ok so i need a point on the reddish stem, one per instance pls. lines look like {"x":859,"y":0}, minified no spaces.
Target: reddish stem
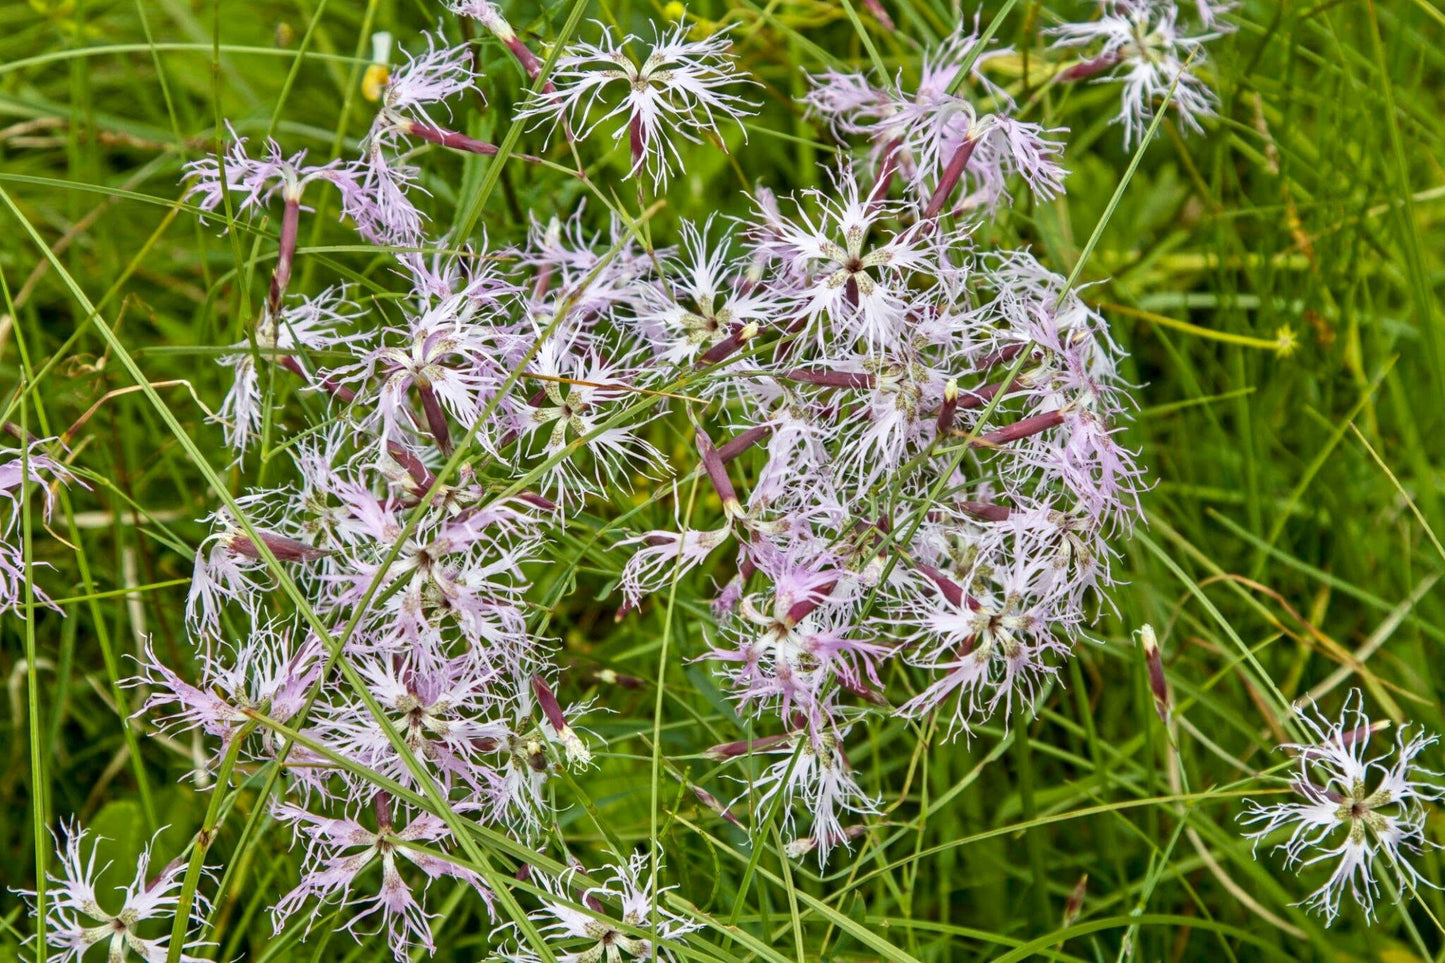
{"x":548,"y":701}
{"x":801,"y":610}
{"x":717,"y":471}
{"x":833,"y":379}
{"x":886,"y":170}
{"x":281,"y":277}
{"x":637,"y":139}
{"x":451,"y":138}
{"x":950,"y":589}
{"x":740,"y":335}
{"x":1085,"y":69}
{"x":436,"y":418}
{"x":951,"y":176}
{"x":986,"y":511}
{"x":285,"y":549}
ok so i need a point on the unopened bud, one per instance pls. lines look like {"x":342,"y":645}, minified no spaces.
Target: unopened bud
{"x":717,"y":473}
{"x":731,"y":750}
{"x":285,"y":549}
{"x":949,"y":408}
{"x":1075,"y":904}
{"x":801,"y":847}
{"x":712,"y":802}
{"x":1158,"y":685}
{"x":577,"y":752}
{"x":612,"y":677}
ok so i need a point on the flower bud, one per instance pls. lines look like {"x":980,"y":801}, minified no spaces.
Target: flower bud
{"x":1158,"y":685}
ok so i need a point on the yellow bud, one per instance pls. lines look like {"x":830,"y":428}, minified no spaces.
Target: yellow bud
{"x":674,"y":11}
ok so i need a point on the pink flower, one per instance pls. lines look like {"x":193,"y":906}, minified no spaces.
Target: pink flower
{"x":462,"y":572}
{"x":925,"y":131}
{"x":265,"y":673}
{"x":339,"y":850}
{"x":257,"y":180}
{"x":377,"y":199}
{"x":439,"y":711}
{"x":442,"y":360}
{"x":20,"y":471}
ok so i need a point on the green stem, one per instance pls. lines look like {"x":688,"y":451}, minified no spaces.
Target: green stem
{"x":202,"y":844}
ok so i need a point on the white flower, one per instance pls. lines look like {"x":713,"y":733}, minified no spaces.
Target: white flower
{"x":1365,"y":813}
{"x":823,"y":781}
{"x":852,"y":292}
{"x":707,"y":299}
{"x":308,"y":324}
{"x":591,"y":939}
{"x":676,"y":91}
{"x":76,"y":921}
{"x":1143,"y":48}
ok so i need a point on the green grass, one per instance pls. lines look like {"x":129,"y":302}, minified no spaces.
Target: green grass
{"x":1295,"y":519}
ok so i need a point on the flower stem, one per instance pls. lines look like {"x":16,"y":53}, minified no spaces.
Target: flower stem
{"x":202,"y":844}
{"x":951,"y":176}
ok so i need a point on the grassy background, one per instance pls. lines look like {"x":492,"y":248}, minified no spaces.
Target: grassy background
{"x":1289,"y":528}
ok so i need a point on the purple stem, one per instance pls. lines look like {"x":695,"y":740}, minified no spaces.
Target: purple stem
{"x":833,"y":379}
{"x":951,"y":175}
{"x":281,"y":277}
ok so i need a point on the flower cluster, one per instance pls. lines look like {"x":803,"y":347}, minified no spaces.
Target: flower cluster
{"x":911,"y":434}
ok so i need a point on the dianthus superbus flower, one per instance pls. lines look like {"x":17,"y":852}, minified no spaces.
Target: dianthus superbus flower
{"x":1139,"y":43}
{"x":256,"y":180}
{"x":850,"y":273}
{"x":937,"y":127}
{"x":77,"y":920}
{"x":340,"y":850}
{"x":1364,"y":813}
{"x":680,"y":89}
{"x":307,"y":324}
{"x":623,"y":892}
{"x":823,"y":781}
{"x":35,"y":469}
